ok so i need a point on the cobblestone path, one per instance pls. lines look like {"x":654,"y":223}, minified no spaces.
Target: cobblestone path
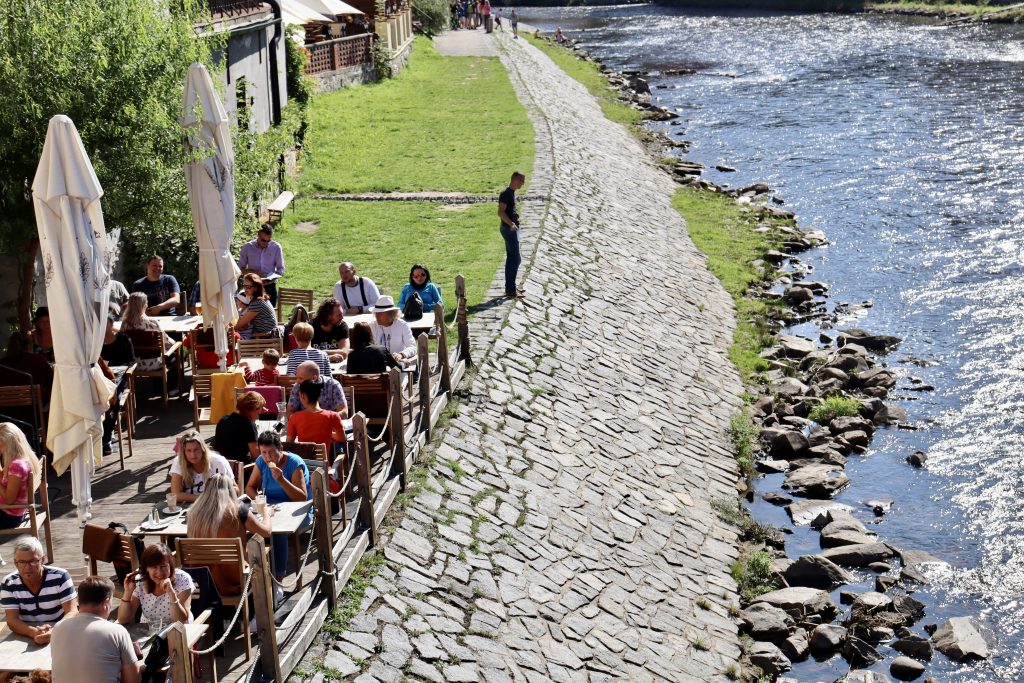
{"x":565,"y":531}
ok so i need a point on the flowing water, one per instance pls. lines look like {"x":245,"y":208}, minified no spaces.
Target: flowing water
{"x":904,"y":141}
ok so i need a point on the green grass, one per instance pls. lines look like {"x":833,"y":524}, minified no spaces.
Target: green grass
{"x":592,"y":79}
{"x":833,"y":407}
{"x":384,"y":239}
{"x":753,"y":575}
{"x":743,"y":436}
{"x":444,"y":123}
{"x":727,"y":235}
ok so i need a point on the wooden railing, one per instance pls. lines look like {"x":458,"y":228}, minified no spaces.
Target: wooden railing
{"x":232,"y":7}
{"x":332,"y":55}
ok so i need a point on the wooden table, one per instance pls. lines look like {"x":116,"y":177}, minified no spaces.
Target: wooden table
{"x":287,"y":519}
{"x":424,"y":324}
{"x":257,"y":363}
{"x":179,"y":324}
{"x":18,"y":653}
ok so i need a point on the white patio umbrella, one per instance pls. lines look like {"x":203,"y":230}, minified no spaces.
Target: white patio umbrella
{"x":73,"y":243}
{"x":332,"y":7}
{"x":295,"y":12}
{"x":209,"y":175}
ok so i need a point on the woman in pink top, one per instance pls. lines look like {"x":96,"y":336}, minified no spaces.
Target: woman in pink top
{"x":18,"y":462}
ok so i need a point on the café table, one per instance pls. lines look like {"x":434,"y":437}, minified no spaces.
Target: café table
{"x":287,"y":519}
{"x":18,"y":653}
{"x":178,"y":324}
{"x":424,"y":324}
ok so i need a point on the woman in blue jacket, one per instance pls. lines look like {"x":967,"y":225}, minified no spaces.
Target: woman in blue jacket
{"x":419,"y":282}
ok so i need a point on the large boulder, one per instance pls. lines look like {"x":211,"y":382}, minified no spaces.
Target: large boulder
{"x":860,"y":555}
{"x":914,"y":646}
{"x":790,"y":386}
{"x":815,"y":571}
{"x":877,"y":377}
{"x":795,"y":647}
{"x":906,"y":669}
{"x":806,"y":511}
{"x":870,"y":603}
{"x":881,"y":343}
{"x":766,"y":622}
{"x":800,"y":602}
{"x":862,"y":676}
{"x":859,"y":653}
{"x":787,"y":444}
{"x":795,"y":347}
{"x":850,"y":424}
{"x":827,"y":638}
{"x":769,"y":658}
{"x":960,"y":639}
{"x":816,"y":481}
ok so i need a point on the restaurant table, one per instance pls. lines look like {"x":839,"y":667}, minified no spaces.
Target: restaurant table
{"x":18,"y":653}
{"x":179,"y":324}
{"x":424,"y":324}
{"x":287,"y":519}
{"x":282,"y":365}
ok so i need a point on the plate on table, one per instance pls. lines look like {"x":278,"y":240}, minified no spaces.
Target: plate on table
{"x":172,"y":511}
{"x":155,"y":526}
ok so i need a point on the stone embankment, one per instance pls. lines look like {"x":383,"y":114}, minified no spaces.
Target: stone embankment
{"x":565,"y":531}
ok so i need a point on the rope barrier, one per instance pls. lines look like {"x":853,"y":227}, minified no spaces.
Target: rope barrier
{"x":234,"y":619}
{"x":384,"y":429}
{"x":348,"y":480}
{"x":305,"y":558}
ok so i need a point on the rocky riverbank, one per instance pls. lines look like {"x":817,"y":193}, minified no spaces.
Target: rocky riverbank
{"x":821,"y":399}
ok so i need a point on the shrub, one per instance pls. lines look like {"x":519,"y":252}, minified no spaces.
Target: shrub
{"x":833,"y":407}
{"x":743,"y":435}
{"x":433,"y":15}
{"x":753,"y":575}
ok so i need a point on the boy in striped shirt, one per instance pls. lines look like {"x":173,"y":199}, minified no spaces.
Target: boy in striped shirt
{"x":36,"y":596}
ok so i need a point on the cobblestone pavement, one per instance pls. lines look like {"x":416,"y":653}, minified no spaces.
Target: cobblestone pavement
{"x":565,"y":531}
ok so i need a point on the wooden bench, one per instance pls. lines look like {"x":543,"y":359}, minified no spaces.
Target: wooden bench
{"x":277,"y":207}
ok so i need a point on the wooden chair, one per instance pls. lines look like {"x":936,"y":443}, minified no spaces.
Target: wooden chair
{"x":374,"y":400}
{"x":286,"y":382}
{"x":204,"y":552}
{"x":268,"y":393}
{"x":125,"y":421}
{"x":242,"y":470}
{"x":149,"y":344}
{"x":287,"y":298}
{"x":202,"y":388}
{"x":37,"y":518}
{"x":27,"y":396}
{"x":124,"y":552}
{"x":254,"y":348}
{"x":202,"y":340}
{"x":350,"y":399}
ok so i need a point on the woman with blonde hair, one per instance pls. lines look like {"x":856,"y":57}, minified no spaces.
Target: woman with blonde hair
{"x":135,"y":318}
{"x":218,"y":514}
{"x":194,"y":465}
{"x":17,"y":462}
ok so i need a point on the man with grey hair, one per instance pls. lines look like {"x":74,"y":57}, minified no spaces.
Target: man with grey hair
{"x":331,"y":398}
{"x":90,"y":649}
{"x":36,"y":596}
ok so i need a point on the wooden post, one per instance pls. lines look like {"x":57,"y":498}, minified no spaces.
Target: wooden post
{"x":442,"y":349}
{"x":361,"y":453}
{"x":462,"y":320}
{"x":423,"y":354}
{"x":397,"y":427}
{"x":263,"y":606}
{"x":324,"y":535}
{"x":178,"y":654}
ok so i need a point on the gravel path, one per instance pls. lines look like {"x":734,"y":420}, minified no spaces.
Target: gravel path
{"x":565,"y":532}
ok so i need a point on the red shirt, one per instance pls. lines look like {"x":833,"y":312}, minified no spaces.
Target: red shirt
{"x":264,"y":377}
{"x":323,"y":427}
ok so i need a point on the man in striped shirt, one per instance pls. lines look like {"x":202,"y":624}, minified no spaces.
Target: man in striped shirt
{"x":36,"y":596}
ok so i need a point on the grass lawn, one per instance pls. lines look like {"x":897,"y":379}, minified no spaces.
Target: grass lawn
{"x":592,"y":79}
{"x":445,"y":124}
{"x":384,"y":239}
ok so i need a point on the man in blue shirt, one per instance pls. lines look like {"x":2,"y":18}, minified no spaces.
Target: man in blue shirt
{"x":264,"y":257}
{"x":162,"y":291}
{"x":510,"y":232}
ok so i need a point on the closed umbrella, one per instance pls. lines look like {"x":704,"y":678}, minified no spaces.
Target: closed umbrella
{"x":209,"y":175}
{"x":73,"y":244}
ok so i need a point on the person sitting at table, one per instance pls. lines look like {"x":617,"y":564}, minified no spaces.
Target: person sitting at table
{"x":163,"y":295}
{"x":87,"y":648}
{"x":118,"y":298}
{"x":162,"y":591}
{"x":391,"y":332}
{"x":257,"y":319}
{"x":419,"y":282}
{"x":42,"y":335}
{"x":303,"y":333}
{"x":17,"y":462}
{"x":358,"y":293}
{"x":267,"y":375}
{"x":313,"y":424}
{"x":332,"y":396}
{"x":367,"y":358}
{"x":285,"y":478}
{"x":235,"y":436}
{"x":117,"y":351}
{"x":218,"y":514}
{"x":36,"y":596}
{"x":136,"y":318}
{"x":330,"y":331}
{"x":193,"y":466}
{"x":23,"y":360}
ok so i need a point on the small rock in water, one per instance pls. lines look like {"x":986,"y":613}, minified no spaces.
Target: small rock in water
{"x":960,"y":639}
{"x":906,"y":669}
{"x":917,"y":458}
{"x":724,"y":169}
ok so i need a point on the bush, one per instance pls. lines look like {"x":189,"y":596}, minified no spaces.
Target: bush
{"x":753,"y":575}
{"x":833,"y":407}
{"x":433,"y":15}
{"x":743,"y":435}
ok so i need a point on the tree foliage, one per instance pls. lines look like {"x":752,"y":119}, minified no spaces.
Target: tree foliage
{"x":117,"y":68}
{"x":434,"y":15}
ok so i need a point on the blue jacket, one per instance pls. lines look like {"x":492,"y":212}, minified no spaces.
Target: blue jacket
{"x":430,"y":294}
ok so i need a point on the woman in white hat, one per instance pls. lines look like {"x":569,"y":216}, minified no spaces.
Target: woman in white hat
{"x":391,"y":332}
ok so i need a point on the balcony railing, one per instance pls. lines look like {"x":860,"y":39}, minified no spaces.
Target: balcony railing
{"x":234,"y":7}
{"x":339,"y":53}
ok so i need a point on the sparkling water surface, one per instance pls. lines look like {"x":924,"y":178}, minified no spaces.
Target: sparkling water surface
{"x":904,"y":141}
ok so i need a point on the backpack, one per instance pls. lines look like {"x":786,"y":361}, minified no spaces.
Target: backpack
{"x":413,"y":307}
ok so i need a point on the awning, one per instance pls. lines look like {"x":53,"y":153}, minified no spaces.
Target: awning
{"x":295,"y":12}
{"x":332,"y":7}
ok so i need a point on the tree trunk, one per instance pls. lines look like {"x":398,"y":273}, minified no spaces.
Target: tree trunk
{"x":26,"y":284}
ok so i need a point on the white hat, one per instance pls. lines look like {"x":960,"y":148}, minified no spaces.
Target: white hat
{"x":385,"y":303}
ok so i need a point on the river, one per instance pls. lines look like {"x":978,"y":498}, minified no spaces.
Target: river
{"x":904,"y":141}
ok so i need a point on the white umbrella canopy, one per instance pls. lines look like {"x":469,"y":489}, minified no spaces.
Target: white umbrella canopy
{"x":73,"y":244}
{"x":332,"y":7}
{"x":209,"y":175}
{"x":295,"y":12}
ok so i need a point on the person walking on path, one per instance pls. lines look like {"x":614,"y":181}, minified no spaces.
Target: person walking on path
{"x":514,"y":20}
{"x":497,"y":19}
{"x":510,"y":232}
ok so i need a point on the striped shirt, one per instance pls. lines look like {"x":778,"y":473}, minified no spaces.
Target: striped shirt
{"x":44,"y":608}
{"x":296,"y":356}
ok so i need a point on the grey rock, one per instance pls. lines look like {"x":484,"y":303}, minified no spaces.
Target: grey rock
{"x":796,"y":646}
{"x":770,"y":658}
{"x":859,"y":653}
{"x":827,"y":638}
{"x":797,"y":295}
{"x":871,"y":602}
{"x":816,"y":481}
{"x":906,"y":669}
{"x":891,"y":415}
{"x":785,"y":443}
{"x":764,"y":621}
{"x":911,"y":609}
{"x":815,"y":571}
{"x":850,"y":423}
{"x":859,"y":555}
{"x":862,"y":676}
{"x":917,"y":458}
{"x":413,"y":545}
{"x":771,"y":466}
{"x":960,"y":639}
{"x":805,"y":511}
{"x":799,"y":602}
{"x":340,"y":662}
{"x":790,"y":386}
{"x":915,"y":646}
{"x":795,"y":347}
{"x":881,"y":343}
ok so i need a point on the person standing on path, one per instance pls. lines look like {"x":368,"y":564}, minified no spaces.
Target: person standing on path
{"x":510,"y":232}
{"x":514,"y":20}
{"x":264,"y":257}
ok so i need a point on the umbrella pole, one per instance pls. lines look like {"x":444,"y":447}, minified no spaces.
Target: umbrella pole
{"x":82,"y":469}
{"x":222,"y":332}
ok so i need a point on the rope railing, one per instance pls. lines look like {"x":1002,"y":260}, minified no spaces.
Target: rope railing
{"x":305,"y":558}
{"x":384,"y":429}
{"x":344,"y":484}
{"x":234,"y":619}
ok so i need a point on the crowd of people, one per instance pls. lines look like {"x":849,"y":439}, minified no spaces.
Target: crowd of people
{"x":474,"y":14}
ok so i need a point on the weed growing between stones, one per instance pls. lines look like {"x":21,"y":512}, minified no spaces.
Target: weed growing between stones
{"x":704,"y":603}
{"x":753,"y":574}
{"x":700,"y":644}
{"x":833,"y":407}
{"x":730,"y":510}
{"x":743,"y":436}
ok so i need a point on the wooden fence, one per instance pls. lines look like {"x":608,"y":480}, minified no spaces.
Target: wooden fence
{"x":331,"y":55}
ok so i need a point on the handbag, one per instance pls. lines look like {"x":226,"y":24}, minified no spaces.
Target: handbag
{"x":413,"y":307}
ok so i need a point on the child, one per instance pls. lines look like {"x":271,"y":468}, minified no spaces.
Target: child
{"x":267,"y":377}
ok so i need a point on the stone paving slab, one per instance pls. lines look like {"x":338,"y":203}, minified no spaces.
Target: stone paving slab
{"x":565,"y":532}
{"x":466,"y":43}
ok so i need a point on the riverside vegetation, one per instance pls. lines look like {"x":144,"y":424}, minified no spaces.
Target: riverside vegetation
{"x":810,"y":408}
